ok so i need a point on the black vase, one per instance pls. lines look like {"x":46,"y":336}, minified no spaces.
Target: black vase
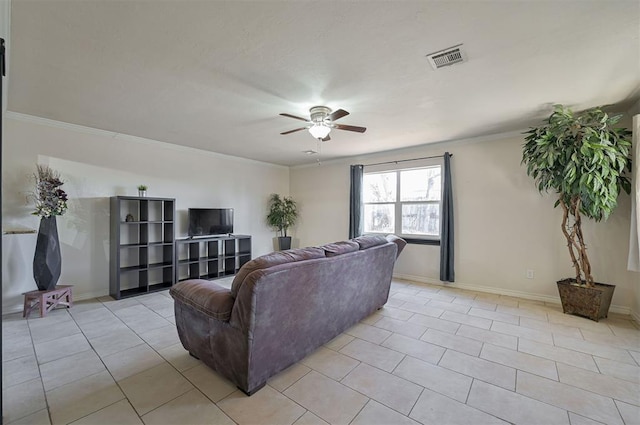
{"x":47,"y":261}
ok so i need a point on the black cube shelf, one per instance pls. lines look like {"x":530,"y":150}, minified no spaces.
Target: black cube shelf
{"x":142,"y":243}
{"x":211,"y":257}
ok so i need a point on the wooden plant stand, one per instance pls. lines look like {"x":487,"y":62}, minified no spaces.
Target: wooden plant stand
{"x":47,"y":300}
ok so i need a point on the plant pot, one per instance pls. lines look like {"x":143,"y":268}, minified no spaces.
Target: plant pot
{"x":142,"y":193}
{"x":47,"y":262}
{"x":284,"y":242}
{"x":592,"y":303}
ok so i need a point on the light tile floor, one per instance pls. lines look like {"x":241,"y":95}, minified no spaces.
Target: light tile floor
{"x":432,"y":355}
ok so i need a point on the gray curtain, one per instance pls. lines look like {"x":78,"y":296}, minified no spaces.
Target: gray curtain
{"x":447,"y":274}
{"x":355,"y":202}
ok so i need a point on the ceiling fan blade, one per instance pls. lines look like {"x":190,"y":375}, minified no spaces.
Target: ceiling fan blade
{"x":336,"y":115}
{"x":295,"y":117}
{"x":326,"y":139}
{"x":293,"y":131}
{"x":350,"y":128}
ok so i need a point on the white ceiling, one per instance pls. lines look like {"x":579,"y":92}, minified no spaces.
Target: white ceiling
{"x":215,"y":75}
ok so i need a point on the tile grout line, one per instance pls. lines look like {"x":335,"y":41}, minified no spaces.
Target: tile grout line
{"x":105,"y":366}
{"x":165,"y":360}
{"x":527,"y":397}
{"x":578,"y":388}
{"x":408,"y":415}
{"x":466,"y":399}
{"x":305,"y":374}
{"x":44,"y":393}
{"x":368,"y":397}
{"x":107,"y":369}
{"x":326,"y":376}
{"x":115,"y":402}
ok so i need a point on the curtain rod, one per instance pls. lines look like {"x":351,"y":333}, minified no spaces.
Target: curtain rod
{"x":406,"y":160}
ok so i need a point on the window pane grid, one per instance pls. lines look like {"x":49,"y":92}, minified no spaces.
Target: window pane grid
{"x":380,"y":187}
{"x":420,"y":203}
{"x":422,"y":184}
{"x":379,"y":203}
{"x":379,"y":218}
{"x":403,"y":202}
{"x":420,"y":219}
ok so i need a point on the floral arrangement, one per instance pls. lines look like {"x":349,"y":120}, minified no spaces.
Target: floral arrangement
{"x":49,"y":198}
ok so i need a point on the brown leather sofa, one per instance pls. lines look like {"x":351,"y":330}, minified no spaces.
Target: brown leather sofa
{"x":282,"y":306}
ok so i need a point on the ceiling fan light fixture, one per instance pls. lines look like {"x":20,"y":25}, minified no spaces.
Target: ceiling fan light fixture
{"x":321,"y":121}
{"x":319,"y":130}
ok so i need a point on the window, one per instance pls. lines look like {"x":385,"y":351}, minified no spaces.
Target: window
{"x":405,"y":202}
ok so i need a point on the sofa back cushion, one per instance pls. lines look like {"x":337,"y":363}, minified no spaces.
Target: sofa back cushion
{"x":366,"y":242}
{"x":339,"y":248}
{"x":274,"y":259}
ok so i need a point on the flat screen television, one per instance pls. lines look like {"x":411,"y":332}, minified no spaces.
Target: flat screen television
{"x":210,"y":221}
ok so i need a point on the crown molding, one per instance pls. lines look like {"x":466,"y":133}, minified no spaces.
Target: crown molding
{"x":411,"y":150}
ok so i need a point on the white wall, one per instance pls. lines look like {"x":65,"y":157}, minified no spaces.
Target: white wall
{"x":503,"y":226}
{"x":634,"y":237}
{"x":97,"y":165}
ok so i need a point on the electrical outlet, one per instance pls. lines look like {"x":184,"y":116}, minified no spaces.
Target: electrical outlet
{"x":530,"y":274}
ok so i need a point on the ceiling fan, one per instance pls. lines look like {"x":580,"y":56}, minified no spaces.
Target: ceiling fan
{"x":321,"y":122}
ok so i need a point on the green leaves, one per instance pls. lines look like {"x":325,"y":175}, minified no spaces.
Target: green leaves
{"x":580,"y":156}
{"x":283,"y":213}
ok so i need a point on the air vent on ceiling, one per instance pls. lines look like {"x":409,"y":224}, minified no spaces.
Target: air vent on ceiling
{"x":446,"y":57}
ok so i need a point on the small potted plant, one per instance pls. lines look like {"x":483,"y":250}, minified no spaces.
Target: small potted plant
{"x":142,"y":190}
{"x":283,"y":213}
{"x":583,"y":158}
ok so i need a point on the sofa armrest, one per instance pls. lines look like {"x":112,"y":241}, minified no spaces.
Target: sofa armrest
{"x":400,"y":243}
{"x":206,"y":297}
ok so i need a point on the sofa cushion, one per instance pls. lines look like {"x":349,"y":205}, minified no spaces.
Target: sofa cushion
{"x":338,"y":248}
{"x":274,"y":259}
{"x":205,"y":296}
{"x":400,"y":243}
{"x":370,"y":241}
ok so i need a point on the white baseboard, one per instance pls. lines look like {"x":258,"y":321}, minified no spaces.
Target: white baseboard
{"x":501,"y":291}
{"x":635,"y":316}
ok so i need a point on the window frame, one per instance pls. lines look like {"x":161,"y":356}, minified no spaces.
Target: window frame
{"x":398,"y":203}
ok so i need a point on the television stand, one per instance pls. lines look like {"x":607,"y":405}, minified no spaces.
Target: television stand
{"x":211,"y":257}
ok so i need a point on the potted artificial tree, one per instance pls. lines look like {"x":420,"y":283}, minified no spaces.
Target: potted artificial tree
{"x":583,"y":158}
{"x":283,"y":213}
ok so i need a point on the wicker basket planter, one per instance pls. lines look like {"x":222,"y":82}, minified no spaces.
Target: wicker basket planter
{"x":592,"y":303}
